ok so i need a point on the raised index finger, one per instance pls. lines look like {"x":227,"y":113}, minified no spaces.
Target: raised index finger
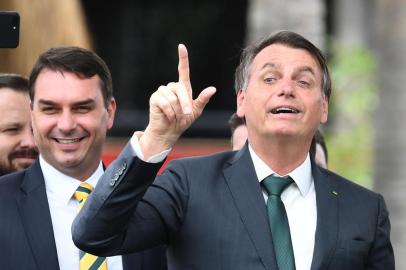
{"x":183,"y":67}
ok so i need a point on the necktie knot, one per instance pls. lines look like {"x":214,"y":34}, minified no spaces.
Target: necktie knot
{"x":83,"y":191}
{"x":275,"y":185}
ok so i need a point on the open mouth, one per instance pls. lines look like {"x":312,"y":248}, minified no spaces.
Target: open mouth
{"x":284,"y":109}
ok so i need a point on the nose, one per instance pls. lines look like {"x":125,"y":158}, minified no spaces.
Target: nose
{"x":66,"y":122}
{"x":287,"y":88}
{"x":27,"y":140}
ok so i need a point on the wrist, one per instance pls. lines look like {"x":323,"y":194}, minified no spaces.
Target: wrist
{"x":152,"y":143}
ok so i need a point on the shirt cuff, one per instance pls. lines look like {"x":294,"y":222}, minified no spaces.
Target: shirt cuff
{"x":135,"y":145}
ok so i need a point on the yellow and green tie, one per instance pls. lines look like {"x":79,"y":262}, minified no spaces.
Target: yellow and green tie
{"x":87,"y":260}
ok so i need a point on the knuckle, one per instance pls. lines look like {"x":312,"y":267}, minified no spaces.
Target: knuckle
{"x":164,"y":103}
{"x":171,"y":85}
{"x":172,"y":99}
{"x":160,"y":90}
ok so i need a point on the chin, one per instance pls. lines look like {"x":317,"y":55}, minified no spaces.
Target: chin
{"x":68,"y":162}
{"x":285,"y":132}
{"x":22,"y":166}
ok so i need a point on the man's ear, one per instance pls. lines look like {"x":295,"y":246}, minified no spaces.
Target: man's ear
{"x":240,"y":103}
{"x":111,"y":111}
{"x":324,"y":112}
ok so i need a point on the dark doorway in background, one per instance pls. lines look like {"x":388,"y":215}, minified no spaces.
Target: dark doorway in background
{"x":138,"y":40}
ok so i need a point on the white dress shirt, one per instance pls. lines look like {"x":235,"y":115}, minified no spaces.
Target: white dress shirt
{"x":300,"y":203}
{"x":63,"y":207}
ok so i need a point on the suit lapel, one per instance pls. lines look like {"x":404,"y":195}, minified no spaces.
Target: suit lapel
{"x":36,"y":219}
{"x":327,"y":219}
{"x":247,"y":194}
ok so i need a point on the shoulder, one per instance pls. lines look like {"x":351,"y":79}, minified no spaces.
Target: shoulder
{"x":10,"y":183}
{"x":350,"y":190}
{"x":199,"y":167}
{"x":213,"y":161}
{"x":12,"y":179}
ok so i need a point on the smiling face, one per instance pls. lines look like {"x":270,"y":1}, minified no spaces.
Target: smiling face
{"x":70,"y":121}
{"x":283,"y":98}
{"x":17,"y":145}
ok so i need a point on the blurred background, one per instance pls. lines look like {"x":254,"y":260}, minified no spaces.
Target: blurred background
{"x":362,"y":39}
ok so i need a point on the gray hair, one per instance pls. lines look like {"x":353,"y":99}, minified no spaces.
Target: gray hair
{"x":290,"y":39}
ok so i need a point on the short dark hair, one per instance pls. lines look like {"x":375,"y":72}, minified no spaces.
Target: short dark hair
{"x":318,"y":138}
{"x":84,"y":63}
{"x":15,"y":82}
{"x":234,"y":122}
{"x":287,"y":38}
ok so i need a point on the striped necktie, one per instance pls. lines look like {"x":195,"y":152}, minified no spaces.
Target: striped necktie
{"x":87,"y":260}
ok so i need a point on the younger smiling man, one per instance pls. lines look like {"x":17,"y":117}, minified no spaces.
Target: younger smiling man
{"x":72,"y":107}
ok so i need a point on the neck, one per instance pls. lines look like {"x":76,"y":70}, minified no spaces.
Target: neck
{"x":281,"y":155}
{"x":78,"y":172}
{"x":84,"y":174}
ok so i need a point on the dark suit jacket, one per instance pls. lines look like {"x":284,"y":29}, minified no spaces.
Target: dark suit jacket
{"x":26,"y":234}
{"x":212,"y":214}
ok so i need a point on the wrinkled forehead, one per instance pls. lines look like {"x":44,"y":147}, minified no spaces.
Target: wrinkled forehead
{"x":279,"y":56}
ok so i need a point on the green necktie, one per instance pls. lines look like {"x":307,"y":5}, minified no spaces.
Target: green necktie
{"x":279,"y":221}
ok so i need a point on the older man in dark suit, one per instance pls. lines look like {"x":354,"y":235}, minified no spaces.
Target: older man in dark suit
{"x":267,"y":206}
{"x":72,"y":107}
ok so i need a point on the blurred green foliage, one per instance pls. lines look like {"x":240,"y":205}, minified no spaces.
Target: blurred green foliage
{"x":349,"y":133}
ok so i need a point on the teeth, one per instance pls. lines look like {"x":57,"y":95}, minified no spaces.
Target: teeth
{"x":67,"y":141}
{"x":284,"y":110}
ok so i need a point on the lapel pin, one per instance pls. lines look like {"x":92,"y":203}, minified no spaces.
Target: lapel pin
{"x":335,"y":192}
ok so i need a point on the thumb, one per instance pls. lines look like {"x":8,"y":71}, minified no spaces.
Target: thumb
{"x":204,"y":97}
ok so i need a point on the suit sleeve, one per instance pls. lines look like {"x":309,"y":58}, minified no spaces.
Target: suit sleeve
{"x":381,"y":253}
{"x":134,"y":212}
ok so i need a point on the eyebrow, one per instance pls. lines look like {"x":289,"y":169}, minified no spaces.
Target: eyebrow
{"x":298,"y":70}
{"x":270,"y":65}
{"x":45,"y":102}
{"x":306,"y":69}
{"x":79,"y":103}
{"x":84,"y":102}
{"x":14,"y":123}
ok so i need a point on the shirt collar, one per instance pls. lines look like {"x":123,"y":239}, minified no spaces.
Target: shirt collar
{"x":61,"y":186}
{"x":302,"y":175}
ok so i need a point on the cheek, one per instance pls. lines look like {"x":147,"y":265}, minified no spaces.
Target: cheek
{"x":6,"y":145}
{"x":95,"y":127}
{"x":99,"y":121}
{"x":41,"y":126}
